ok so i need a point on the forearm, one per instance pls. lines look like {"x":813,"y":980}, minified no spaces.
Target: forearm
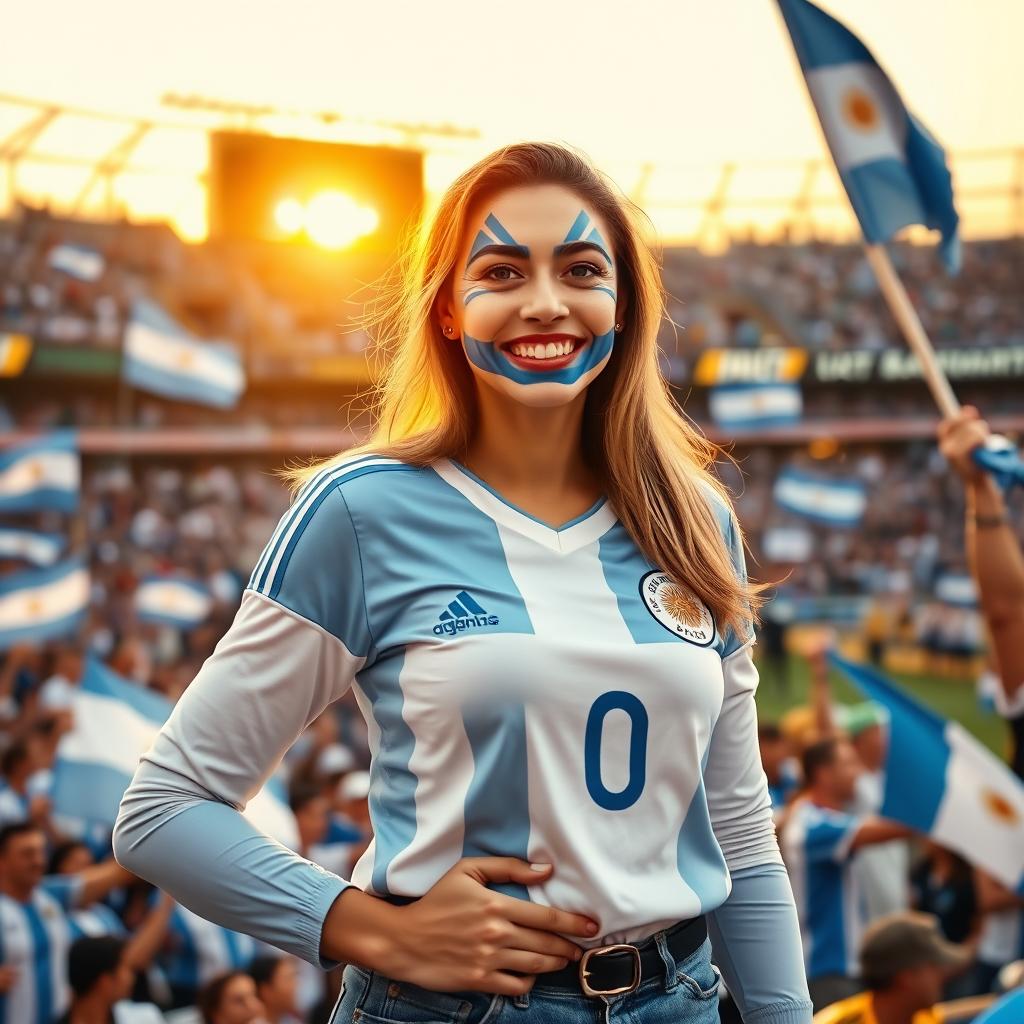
{"x":755,"y":939}
{"x":993,"y":551}
{"x":145,"y":943}
{"x":213,"y":861}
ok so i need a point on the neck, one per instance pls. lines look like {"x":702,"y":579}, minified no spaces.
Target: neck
{"x":893,"y":1008}
{"x":21,"y":893}
{"x":518,"y":446}
{"x":823,"y":798}
{"x":90,"y":1009}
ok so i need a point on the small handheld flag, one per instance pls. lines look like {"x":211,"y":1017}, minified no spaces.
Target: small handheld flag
{"x":43,"y":604}
{"x":41,"y":474}
{"x":832,"y":502}
{"x":894,"y":172}
{"x":755,"y":406}
{"x":172,"y":601}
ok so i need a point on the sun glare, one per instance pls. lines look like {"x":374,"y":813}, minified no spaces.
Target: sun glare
{"x":334,"y":220}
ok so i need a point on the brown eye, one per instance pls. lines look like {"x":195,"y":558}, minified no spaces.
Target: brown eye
{"x":594,"y":271}
{"x":500,"y":266}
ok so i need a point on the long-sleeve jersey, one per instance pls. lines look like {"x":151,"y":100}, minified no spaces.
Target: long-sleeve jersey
{"x":530,"y":692}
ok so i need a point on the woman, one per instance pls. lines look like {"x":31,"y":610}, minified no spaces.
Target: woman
{"x":537,"y":592}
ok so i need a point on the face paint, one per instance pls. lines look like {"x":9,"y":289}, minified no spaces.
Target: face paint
{"x":488,"y":356}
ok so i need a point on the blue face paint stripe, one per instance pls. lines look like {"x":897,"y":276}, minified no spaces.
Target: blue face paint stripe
{"x":498,"y":230}
{"x":601,"y":288}
{"x":43,"y":963}
{"x":595,"y":237}
{"x":489,"y":358}
{"x":470,"y":296}
{"x":482,"y":239}
{"x":579,"y":225}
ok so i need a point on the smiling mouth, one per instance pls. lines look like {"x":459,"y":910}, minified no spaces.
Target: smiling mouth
{"x":551,"y":355}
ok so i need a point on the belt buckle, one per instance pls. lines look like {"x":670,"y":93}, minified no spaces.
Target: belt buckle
{"x":600,"y":951}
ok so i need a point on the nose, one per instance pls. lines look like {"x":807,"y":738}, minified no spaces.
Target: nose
{"x":543,"y":303}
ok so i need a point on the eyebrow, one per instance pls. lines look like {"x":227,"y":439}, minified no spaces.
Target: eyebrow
{"x":569,"y":247}
{"x":518,"y":251}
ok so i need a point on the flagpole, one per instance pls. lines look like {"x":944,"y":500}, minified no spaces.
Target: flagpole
{"x":913,"y":330}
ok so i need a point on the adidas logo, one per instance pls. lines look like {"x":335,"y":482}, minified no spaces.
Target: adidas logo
{"x":463,"y":613}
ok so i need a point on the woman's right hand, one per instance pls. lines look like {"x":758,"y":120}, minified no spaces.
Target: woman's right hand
{"x":460,"y":935}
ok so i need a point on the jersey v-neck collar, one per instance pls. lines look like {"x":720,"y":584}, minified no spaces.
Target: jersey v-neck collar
{"x":571,"y":536}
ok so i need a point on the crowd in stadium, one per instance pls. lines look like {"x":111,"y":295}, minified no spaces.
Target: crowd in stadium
{"x":78,"y":927}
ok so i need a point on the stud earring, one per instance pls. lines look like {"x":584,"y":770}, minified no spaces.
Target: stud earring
{"x":618,"y":327}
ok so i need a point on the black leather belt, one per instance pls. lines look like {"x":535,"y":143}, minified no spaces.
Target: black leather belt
{"x":614,"y":970}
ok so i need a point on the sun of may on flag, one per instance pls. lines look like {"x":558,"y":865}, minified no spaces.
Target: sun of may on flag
{"x":41,"y":474}
{"x":894,"y":171}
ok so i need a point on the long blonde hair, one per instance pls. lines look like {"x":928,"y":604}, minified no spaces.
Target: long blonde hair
{"x":653,"y":463}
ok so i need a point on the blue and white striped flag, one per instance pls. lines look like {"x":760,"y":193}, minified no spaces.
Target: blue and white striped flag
{"x":41,"y":474}
{"x":115,"y":723}
{"x":833,"y":502}
{"x":162,"y":357}
{"x":894,"y":171}
{"x":43,"y":604}
{"x":755,"y":406}
{"x":1007,"y":1010}
{"x":957,"y":589}
{"x":943,"y":782}
{"x":79,"y":261}
{"x":172,"y":601}
{"x":30,"y":546}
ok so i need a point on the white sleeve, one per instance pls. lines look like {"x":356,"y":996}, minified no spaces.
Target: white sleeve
{"x":736,"y":785}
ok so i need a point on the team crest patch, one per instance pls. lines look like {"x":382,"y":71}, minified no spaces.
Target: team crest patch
{"x":678,"y":609}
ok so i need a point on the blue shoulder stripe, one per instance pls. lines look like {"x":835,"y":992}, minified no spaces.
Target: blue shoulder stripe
{"x":273,"y":586}
{"x":258,"y":579}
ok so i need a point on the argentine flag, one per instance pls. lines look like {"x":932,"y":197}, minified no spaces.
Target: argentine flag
{"x":77,"y":261}
{"x":43,"y":604}
{"x":941,"y":781}
{"x":894,"y":171}
{"x":41,"y":474}
{"x":957,"y":589}
{"x":171,"y":601}
{"x":115,"y":723}
{"x":832,"y":502}
{"x":755,"y":406}
{"x":1007,"y":1010}
{"x":40,"y":549}
{"x":160,"y":356}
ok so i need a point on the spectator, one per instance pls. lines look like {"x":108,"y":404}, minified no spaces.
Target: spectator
{"x":231,"y":999}
{"x":818,"y":842}
{"x":904,"y":962}
{"x":277,"y":986}
{"x":101,"y":979}
{"x":781,"y":768}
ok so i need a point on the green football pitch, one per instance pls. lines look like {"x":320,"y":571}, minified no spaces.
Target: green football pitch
{"x":952,"y":698}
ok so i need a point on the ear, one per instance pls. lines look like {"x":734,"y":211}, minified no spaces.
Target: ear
{"x":445,"y":311}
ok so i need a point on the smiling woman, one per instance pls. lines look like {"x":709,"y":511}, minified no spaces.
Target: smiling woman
{"x":538,"y":593}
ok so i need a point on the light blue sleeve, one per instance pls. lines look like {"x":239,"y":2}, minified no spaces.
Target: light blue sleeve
{"x":755,"y":940}
{"x":297,"y":641}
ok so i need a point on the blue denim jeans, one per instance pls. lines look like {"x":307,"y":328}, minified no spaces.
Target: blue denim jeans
{"x":687,"y":993}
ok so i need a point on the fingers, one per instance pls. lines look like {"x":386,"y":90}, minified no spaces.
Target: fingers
{"x":504,"y":869}
{"x":505,"y":984}
{"x":548,"y":919}
{"x":528,"y":940}
{"x":529,"y":963}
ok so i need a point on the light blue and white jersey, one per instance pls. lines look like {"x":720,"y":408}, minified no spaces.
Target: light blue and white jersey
{"x":196,"y":950}
{"x":34,"y":941}
{"x":95,"y":921}
{"x":816,"y":845}
{"x":530,"y":692}
{"x":13,"y":806}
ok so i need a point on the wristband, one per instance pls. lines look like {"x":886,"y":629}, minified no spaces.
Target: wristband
{"x":990,"y":522}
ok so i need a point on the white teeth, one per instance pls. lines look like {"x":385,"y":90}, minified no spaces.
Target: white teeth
{"x":552,"y":350}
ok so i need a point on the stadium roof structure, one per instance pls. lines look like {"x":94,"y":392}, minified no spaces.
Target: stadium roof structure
{"x":109,"y":166}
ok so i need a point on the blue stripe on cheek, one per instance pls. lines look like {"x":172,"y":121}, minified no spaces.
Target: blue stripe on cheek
{"x":489,"y":358}
{"x":602,"y":288}
{"x":470,"y":296}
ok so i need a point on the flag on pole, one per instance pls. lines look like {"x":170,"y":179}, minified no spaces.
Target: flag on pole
{"x":15,"y":352}
{"x":41,"y":474}
{"x":160,"y":356}
{"x":115,"y":723}
{"x":40,"y":549}
{"x":78,"y":261}
{"x":893,"y":169}
{"x":755,"y":406}
{"x":941,"y":781}
{"x":43,"y":604}
{"x":172,"y":601}
{"x":832,"y":502}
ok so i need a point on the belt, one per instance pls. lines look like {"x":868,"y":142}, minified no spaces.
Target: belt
{"x":615,"y":970}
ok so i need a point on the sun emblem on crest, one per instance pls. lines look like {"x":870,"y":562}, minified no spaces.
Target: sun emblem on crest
{"x":999,"y":807}
{"x":678,"y":609}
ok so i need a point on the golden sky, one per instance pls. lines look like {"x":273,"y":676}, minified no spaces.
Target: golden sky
{"x":679,"y":82}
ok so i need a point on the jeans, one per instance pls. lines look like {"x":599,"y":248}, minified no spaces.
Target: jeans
{"x":687,"y":993}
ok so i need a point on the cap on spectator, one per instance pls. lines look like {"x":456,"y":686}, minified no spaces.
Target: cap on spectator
{"x":355,"y":786}
{"x":854,"y":719}
{"x":335,"y":759}
{"x":898,"y":942}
